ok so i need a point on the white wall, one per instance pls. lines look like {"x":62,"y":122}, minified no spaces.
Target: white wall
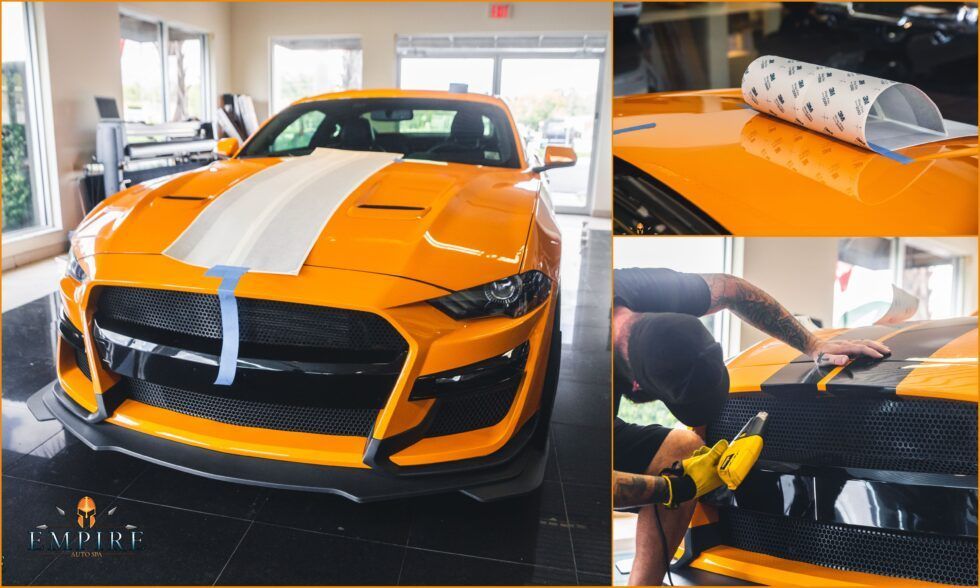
{"x":799,"y":273}
{"x":81,"y":42}
{"x":255,"y":23}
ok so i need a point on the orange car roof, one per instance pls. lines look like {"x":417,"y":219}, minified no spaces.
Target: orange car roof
{"x":396,"y":93}
{"x":757,"y":175}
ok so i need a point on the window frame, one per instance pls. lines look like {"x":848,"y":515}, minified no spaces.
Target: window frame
{"x":163,"y":34}
{"x":41,"y":158}
{"x":272,"y":61}
{"x":896,"y":267}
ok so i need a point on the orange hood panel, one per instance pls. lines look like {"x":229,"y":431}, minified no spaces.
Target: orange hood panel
{"x":751,"y":172}
{"x":451,"y":225}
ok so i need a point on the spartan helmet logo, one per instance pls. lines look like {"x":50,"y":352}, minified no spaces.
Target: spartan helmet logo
{"x":86,"y":513}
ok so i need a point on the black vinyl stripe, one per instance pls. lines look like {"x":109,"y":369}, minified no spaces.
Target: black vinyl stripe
{"x":919,"y":342}
{"x":802,"y":373}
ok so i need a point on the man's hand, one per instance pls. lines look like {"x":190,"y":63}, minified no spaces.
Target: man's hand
{"x":826,"y":353}
{"x":698,"y":475}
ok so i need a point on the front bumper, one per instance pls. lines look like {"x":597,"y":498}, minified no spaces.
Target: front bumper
{"x":516,"y":469}
{"x":398,"y":452}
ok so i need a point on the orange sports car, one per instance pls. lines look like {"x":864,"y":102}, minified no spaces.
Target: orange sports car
{"x":706,"y":163}
{"x":868,"y":474}
{"x":362,"y":299}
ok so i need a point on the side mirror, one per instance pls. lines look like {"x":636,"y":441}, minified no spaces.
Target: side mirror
{"x":226,"y":147}
{"x":556,"y":156}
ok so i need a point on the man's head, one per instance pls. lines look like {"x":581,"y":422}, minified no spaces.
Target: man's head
{"x":676,"y":360}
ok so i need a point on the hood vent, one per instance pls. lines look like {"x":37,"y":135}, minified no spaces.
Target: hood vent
{"x":175,"y":197}
{"x":389,"y":207}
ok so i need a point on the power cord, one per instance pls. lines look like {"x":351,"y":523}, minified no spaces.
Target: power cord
{"x":663,"y":543}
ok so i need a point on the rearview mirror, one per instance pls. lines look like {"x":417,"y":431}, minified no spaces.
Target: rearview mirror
{"x":556,"y":156}
{"x":226,"y":147}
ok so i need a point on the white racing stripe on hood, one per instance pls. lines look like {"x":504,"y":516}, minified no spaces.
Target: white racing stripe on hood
{"x":270,"y":221}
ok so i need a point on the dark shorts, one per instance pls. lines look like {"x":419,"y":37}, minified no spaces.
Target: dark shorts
{"x":635,"y":445}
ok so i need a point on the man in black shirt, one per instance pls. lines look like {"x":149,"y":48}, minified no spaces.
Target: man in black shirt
{"x":663,"y":352}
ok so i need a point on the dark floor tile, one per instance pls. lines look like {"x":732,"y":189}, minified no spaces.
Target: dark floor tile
{"x":66,"y":461}
{"x":551,"y":468}
{"x":594,"y":579}
{"x":179,"y":547}
{"x":427,"y":568}
{"x":170,"y":487}
{"x":529,"y":529}
{"x":276,"y":555}
{"x":25,"y":506}
{"x":584,"y":404}
{"x":586,"y":368}
{"x":28,"y":348}
{"x":583,"y":454}
{"x":326,"y":513}
{"x":22,"y":433}
{"x":589,"y":514}
{"x":589,"y":340}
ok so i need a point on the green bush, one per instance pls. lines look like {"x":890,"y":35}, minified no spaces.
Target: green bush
{"x":18,"y":207}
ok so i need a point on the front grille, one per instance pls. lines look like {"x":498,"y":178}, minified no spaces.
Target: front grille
{"x":474,"y":410}
{"x":81,"y":359}
{"x":249,"y":413}
{"x":900,"y":434}
{"x":261,"y":322}
{"x":932,"y":558}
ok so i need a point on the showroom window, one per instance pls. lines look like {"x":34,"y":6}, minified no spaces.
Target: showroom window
{"x":26,"y":196}
{"x":550,"y":82}
{"x":158,"y":85}
{"x":698,"y":255}
{"x":928,"y":269}
{"x":310,"y":66}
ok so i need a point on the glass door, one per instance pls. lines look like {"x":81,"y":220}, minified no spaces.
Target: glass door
{"x":555,"y":102}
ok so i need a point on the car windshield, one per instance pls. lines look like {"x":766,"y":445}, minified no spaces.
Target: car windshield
{"x":430,"y":129}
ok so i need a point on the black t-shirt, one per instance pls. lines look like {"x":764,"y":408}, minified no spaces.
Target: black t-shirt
{"x":655,"y":290}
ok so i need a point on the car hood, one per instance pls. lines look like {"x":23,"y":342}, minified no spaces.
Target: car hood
{"x":451,"y":225}
{"x":752,"y":172}
{"x":936,"y":358}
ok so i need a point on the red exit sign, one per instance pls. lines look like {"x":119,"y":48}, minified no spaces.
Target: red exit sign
{"x":501,"y":10}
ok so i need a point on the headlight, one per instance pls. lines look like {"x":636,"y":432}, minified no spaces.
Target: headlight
{"x":513,"y":296}
{"x":75,"y":269}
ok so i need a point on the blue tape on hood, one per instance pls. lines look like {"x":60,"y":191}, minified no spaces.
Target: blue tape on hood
{"x":890,"y":154}
{"x":229,"y":320}
{"x":636,"y":128}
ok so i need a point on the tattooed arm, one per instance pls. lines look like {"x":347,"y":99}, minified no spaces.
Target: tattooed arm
{"x":763,"y":312}
{"x":638,"y":490}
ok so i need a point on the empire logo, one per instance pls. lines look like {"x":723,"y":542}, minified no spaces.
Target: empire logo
{"x":81,"y":539}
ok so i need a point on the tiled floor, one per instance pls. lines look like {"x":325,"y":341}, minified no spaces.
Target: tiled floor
{"x":200,"y":531}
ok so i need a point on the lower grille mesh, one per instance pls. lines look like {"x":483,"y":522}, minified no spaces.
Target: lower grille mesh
{"x":947,"y":560}
{"x":900,"y":434}
{"x":81,"y":359}
{"x":307,"y":419}
{"x":474,"y":410}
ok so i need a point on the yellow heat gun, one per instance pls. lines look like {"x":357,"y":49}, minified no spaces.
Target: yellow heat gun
{"x":743,"y":451}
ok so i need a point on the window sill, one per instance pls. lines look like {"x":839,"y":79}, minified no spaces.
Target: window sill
{"x":25,"y":246}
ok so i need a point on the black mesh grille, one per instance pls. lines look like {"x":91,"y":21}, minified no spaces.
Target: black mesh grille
{"x":261,"y":322}
{"x":901,"y":434}
{"x":246,"y":413}
{"x":932,"y":558}
{"x":475,"y":410}
{"x":81,"y":359}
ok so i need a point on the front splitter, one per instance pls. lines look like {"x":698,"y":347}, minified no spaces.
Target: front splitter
{"x":522,"y":473}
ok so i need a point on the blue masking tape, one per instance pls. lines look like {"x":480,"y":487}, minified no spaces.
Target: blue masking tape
{"x":229,"y":320}
{"x":890,"y":154}
{"x":636,"y":128}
